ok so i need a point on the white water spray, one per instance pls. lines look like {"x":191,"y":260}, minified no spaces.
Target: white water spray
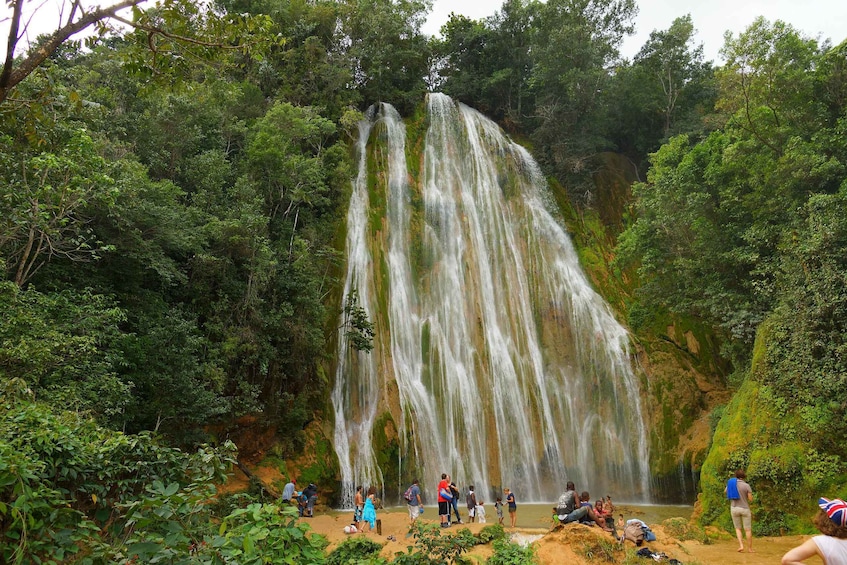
{"x":510,"y":371}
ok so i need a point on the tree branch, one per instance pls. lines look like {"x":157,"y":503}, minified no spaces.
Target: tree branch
{"x":11,"y":76}
{"x":153,"y":31}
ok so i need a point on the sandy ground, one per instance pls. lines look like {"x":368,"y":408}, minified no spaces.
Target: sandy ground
{"x":567,"y":544}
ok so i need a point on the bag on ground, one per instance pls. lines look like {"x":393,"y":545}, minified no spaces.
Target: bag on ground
{"x":634,"y":533}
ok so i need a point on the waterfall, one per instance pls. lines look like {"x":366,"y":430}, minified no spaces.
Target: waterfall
{"x":497,"y":361}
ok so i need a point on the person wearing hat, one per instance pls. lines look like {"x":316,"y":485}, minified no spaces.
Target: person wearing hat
{"x":740,"y":496}
{"x":831,"y":521}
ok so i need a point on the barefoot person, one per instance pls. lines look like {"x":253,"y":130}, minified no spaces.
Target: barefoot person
{"x":831,"y":547}
{"x":369,"y":512}
{"x":740,"y":496}
{"x":498,"y":506}
{"x":513,"y":507}
{"x":359,"y":503}
{"x":414,"y":502}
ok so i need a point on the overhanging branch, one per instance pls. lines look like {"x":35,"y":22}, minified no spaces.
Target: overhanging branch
{"x":12,"y":75}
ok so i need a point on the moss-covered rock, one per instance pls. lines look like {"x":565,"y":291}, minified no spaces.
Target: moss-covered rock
{"x":760,"y":432}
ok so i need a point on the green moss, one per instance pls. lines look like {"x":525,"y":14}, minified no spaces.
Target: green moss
{"x":387,"y":448}
{"x":758,"y":433}
{"x":323,"y":471}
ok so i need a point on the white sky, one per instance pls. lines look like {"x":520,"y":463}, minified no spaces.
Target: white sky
{"x":824,"y":18}
{"x":711,"y":18}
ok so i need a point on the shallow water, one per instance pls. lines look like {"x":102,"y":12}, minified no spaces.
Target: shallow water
{"x":540,"y":515}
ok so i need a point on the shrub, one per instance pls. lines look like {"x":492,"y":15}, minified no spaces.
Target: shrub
{"x":508,"y":553}
{"x":353,"y":550}
{"x":433,"y":548}
{"x":491,"y":533}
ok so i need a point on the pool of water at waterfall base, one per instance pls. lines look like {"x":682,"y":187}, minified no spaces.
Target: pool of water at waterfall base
{"x":539,"y":515}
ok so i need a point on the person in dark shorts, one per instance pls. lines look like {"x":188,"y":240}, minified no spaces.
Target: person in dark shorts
{"x":513,"y":507}
{"x":444,"y":498}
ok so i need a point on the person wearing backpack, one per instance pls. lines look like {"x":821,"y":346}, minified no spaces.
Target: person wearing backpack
{"x":413,"y":501}
{"x":470,"y":499}
{"x":740,"y":496}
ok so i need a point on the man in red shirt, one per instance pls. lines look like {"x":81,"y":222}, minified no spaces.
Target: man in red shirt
{"x":444,"y":497}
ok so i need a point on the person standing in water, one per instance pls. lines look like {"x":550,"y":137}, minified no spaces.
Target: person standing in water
{"x":498,"y":506}
{"x":740,"y":496}
{"x":513,"y":506}
{"x":470,"y":499}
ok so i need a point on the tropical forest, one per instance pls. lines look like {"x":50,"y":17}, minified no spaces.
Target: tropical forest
{"x":244,"y":242}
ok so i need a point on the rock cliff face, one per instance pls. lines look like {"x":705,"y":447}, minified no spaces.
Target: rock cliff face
{"x":679,"y":376}
{"x":679,"y":365}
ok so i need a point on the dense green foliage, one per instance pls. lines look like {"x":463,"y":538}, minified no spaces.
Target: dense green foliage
{"x":171,"y":228}
{"x":743,"y":228}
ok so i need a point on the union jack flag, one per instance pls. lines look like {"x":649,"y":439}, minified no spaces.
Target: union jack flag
{"x":836,"y":509}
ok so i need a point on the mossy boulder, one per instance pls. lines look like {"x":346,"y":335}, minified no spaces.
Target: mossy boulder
{"x":761,"y":433}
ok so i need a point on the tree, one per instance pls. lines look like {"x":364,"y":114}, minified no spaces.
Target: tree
{"x":170,"y":23}
{"x":667,"y":90}
{"x":66,"y":347}
{"x":487,"y":64}
{"x":807,"y":335}
{"x":389,"y":54}
{"x":359,"y":329}
{"x":674,"y":64}
{"x":714,"y":213}
{"x":78,"y":19}
{"x":767,"y":83}
{"x":45,"y":202}
{"x":575,"y":43}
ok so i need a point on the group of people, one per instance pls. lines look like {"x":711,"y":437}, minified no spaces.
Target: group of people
{"x":831,"y":519}
{"x":448,"y":504}
{"x":364,"y":513}
{"x":304,"y":499}
{"x":577,"y":507}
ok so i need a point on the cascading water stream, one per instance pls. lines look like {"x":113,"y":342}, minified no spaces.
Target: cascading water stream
{"x":357,"y":395}
{"x":510,"y":370}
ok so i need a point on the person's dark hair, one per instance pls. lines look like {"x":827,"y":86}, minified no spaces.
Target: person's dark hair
{"x":827,"y":527}
{"x":740,"y":474}
{"x":358,"y":488}
{"x":571,"y":486}
{"x":443,"y":476}
{"x":584,"y":495}
{"x":415,"y":482}
{"x":371,"y":490}
{"x":470,"y":487}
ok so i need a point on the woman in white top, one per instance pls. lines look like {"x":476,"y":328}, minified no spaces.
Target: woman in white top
{"x":831,"y":520}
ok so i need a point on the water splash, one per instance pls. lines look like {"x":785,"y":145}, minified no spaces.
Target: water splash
{"x":510,"y":370}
